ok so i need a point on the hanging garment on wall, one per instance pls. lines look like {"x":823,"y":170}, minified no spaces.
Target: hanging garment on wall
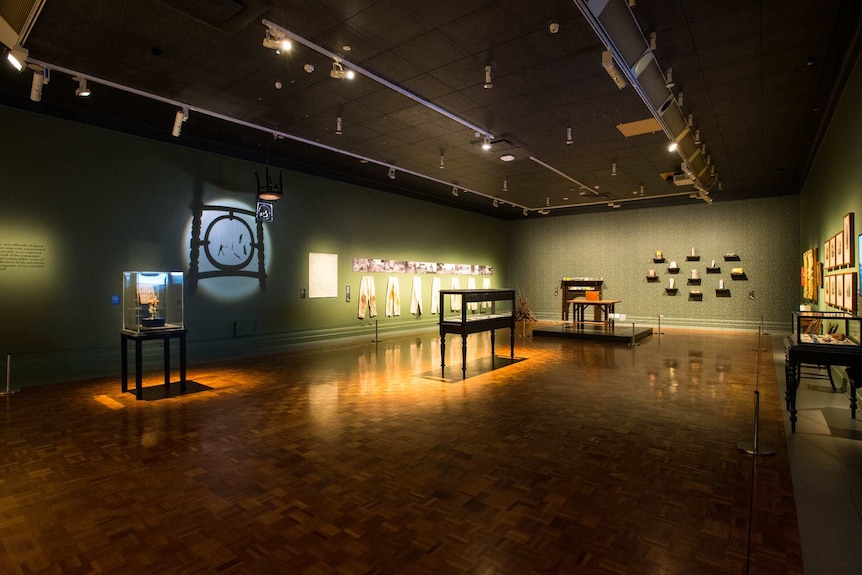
{"x":486,"y":284}
{"x":455,"y":300}
{"x":471,"y":284}
{"x":435,"y":295}
{"x":416,"y":297}
{"x":393,"y":297}
{"x":367,"y":299}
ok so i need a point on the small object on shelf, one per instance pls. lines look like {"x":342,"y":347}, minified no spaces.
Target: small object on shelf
{"x":731,"y":257}
{"x":652,"y":273}
{"x":673,"y":264}
{"x":738,"y":274}
{"x":694,"y":275}
{"x":659,"y":255}
{"x":721,"y":283}
{"x":712,"y":264}
{"x":672,"y":283}
{"x":692,"y":252}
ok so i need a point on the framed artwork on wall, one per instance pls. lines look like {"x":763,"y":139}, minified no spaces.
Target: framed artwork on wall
{"x":832,"y":289}
{"x":832,"y":252}
{"x":839,"y":249}
{"x":826,"y":298}
{"x":848,"y":240}
{"x":826,"y":254}
{"x":839,"y":291}
{"x":850,"y":292}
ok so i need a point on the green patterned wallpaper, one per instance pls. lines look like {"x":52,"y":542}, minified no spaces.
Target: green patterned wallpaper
{"x":619,"y":246}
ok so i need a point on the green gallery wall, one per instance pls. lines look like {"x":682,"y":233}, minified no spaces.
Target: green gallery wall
{"x":834,"y":184}
{"x":85,"y":204}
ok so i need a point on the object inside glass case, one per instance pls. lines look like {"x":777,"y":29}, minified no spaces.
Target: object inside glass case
{"x":152,"y":301}
{"x":827,"y":328}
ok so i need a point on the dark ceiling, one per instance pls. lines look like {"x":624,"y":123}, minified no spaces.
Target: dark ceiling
{"x":759,"y":78}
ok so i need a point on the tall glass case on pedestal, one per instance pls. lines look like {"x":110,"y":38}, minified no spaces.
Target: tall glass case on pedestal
{"x":152,"y":301}
{"x":832,"y":328}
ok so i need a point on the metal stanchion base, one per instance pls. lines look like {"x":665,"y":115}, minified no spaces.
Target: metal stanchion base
{"x":748,"y":447}
{"x":6,"y":392}
{"x":633,"y":343}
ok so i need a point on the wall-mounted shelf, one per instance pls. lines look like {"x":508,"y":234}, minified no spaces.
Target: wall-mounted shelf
{"x":652,"y":279}
{"x":722,"y":292}
{"x":715,"y":270}
{"x":731,"y":258}
{"x":692,"y":258}
{"x":739,"y":277}
{"x":671,"y":291}
{"x":658,"y":260}
{"x":695,"y":296}
{"x":673,"y":270}
{"x":694,"y":281}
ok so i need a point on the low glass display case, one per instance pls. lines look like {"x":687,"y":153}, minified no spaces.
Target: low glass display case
{"x":152,"y":301}
{"x":833,"y":328}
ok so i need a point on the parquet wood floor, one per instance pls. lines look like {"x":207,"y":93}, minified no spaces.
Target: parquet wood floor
{"x":582,"y":458}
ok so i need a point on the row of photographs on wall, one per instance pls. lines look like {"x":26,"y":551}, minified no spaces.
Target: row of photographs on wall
{"x":838,"y":251}
{"x":839,"y":290}
{"x":369,"y":265}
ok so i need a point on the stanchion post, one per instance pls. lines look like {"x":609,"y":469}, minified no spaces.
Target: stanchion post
{"x":8,"y":390}
{"x":376,"y":339}
{"x":633,"y":343}
{"x":754,"y":447}
{"x":660,"y":332}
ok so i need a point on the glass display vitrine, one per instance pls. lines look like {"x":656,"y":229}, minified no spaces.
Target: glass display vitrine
{"x":152,"y":301}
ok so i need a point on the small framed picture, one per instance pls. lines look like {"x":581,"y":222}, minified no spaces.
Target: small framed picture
{"x":826,"y":255}
{"x":839,"y":291}
{"x":850,"y":292}
{"x":832,"y":252}
{"x":849,"y":234}
{"x":839,"y":249}
{"x":832,"y":290}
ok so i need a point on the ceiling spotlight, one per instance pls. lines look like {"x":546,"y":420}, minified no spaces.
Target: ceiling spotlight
{"x":17,"y":56}
{"x":39,"y":79}
{"x":442,"y":161}
{"x":672,"y":147}
{"x":338,"y":125}
{"x":697,"y":136}
{"x":495,"y":203}
{"x":82,"y":89}
{"x":488,"y":85}
{"x":720,"y":187}
{"x":612,"y":70}
{"x":391,"y":173}
{"x":613,"y":168}
{"x":569,"y":139}
{"x":309,"y":68}
{"x":486,"y":145}
{"x":693,"y":196}
{"x":689,"y":121}
{"x":526,"y":212}
{"x":455,"y":191}
{"x":276,"y":41}
{"x":505,"y":185}
{"x":669,"y":78}
{"x":339,"y":73}
{"x":642,"y":189}
{"x":547,"y":201}
{"x":679,"y":101}
{"x":554,"y":27}
{"x":652,"y":39}
{"x":507,"y":157}
{"x":544,"y":212}
{"x":179,"y":119}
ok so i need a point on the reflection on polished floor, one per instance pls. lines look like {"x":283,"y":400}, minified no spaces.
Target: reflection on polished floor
{"x":581,"y":458}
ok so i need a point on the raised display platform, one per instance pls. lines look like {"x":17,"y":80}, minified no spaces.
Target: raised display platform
{"x":620,"y":333}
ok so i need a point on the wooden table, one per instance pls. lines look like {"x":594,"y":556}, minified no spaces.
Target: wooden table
{"x":139,"y":337}
{"x":604,"y":310}
{"x":796,"y":354}
{"x":465,"y":324}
